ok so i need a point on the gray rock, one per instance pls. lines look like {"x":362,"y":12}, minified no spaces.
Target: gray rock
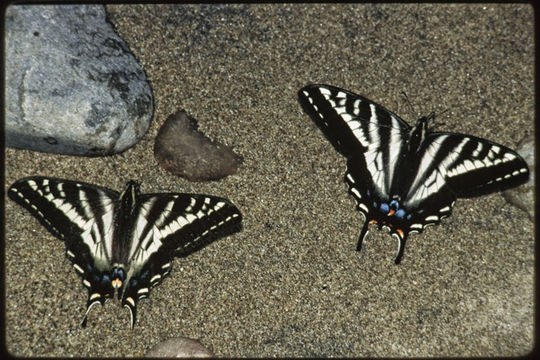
{"x":184,"y":151}
{"x":523,"y":196}
{"x":72,"y":85}
{"x":180,"y":347}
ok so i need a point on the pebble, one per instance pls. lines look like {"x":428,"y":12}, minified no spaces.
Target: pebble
{"x":180,"y":347}
{"x":523,"y":196}
{"x":72,"y":85}
{"x":184,"y":151}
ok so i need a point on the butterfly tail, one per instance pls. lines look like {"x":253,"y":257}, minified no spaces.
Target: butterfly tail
{"x":363,"y":235}
{"x":131,"y":305}
{"x":92,"y":300}
{"x":401,"y":247}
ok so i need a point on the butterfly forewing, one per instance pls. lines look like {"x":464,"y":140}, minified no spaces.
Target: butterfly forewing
{"x":481,"y":166}
{"x":170,"y":225}
{"x":358,"y":128}
{"x":79,"y":213}
{"x":66,"y":208}
{"x":403,"y":177}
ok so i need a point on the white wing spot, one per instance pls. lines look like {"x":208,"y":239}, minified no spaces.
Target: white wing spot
{"x":478,"y":164}
{"x":363,"y":207}
{"x":356,"y":193}
{"x":142,"y":291}
{"x":131,"y":301}
{"x":325,"y":92}
{"x":479,"y":148}
{"x":468,"y":165}
{"x":182,"y":221}
{"x":346,"y":117}
{"x":78,"y":268}
{"x":32,"y":185}
{"x":219,"y":205}
{"x":340,"y":109}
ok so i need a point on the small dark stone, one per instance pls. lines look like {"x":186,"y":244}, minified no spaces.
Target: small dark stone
{"x":180,"y":348}
{"x":184,"y":151}
{"x":523,"y":196}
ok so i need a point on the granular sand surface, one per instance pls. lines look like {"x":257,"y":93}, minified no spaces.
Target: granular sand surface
{"x":291,"y":283}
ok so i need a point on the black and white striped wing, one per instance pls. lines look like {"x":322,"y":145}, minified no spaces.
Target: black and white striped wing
{"x":470,"y":166}
{"x":80,"y":214}
{"x":463,"y":165}
{"x":170,"y":225}
{"x":365,"y":132}
{"x":405,"y":178}
{"x":473,"y":166}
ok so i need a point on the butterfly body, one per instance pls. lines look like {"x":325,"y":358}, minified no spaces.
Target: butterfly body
{"x":405,"y":178}
{"x":124,"y":243}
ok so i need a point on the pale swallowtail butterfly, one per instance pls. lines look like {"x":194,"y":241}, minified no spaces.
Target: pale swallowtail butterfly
{"x":404,"y":178}
{"x":124,"y":242}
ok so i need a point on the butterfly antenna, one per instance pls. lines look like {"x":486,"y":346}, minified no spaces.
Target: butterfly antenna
{"x":408,"y":102}
{"x":432,"y":116}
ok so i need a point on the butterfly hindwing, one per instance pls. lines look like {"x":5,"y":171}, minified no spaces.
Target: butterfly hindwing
{"x":405,"y":178}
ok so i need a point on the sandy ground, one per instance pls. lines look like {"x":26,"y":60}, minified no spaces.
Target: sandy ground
{"x":291,"y":284}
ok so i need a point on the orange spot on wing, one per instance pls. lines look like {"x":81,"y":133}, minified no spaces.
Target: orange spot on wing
{"x":116,"y":283}
{"x":400,"y":232}
{"x":391,"y":212}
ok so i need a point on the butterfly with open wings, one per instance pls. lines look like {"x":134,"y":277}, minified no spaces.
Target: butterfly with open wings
{"x":404,"y":178}
{"x":124,"y":243}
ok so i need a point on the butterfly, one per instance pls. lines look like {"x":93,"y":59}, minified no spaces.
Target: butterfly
{"x":125,"y":242}
{"x":404,"y":178}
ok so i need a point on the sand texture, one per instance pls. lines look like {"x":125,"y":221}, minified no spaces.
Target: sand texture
{"x":291,"y":283}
